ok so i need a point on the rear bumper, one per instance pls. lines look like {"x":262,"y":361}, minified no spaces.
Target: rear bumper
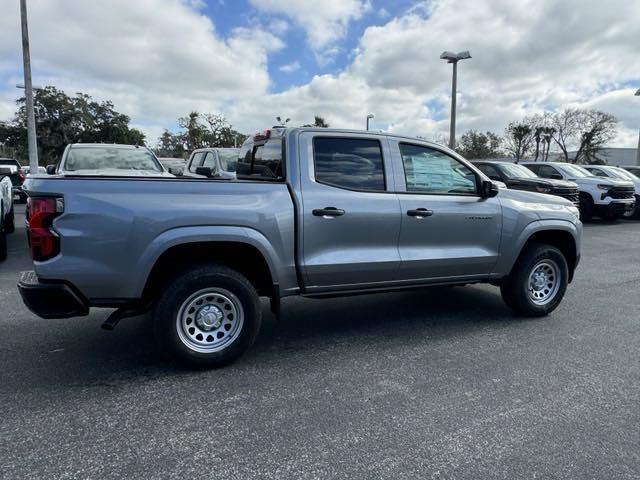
{"x":50,"y":299}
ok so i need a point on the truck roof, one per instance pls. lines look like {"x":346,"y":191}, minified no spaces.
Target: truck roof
{"x":102,"y":145}
{"x":356,"y":131}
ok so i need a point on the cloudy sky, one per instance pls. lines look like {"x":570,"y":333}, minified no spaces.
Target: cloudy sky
{"x":341,"y":59}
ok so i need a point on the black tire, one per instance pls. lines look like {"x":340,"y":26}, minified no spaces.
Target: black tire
{"x":636,"y":209}
{"x":586,"y":207}
{"x":3,"y":239}
{"x":175,"y":298}
{"x":515,"y":288}
{"x":10,"y":222}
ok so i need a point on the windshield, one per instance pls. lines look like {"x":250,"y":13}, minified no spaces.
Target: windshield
{"x":622,"y":174}
{"x":575,"y":171}
{"x":8,"y":161}
{"x":93,"y":158}
{"x":228,"y":159}
{"x":517,"y":171}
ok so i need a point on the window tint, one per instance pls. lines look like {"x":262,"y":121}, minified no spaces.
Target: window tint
{"x":209,"y":160}
{"x":489,"y":170}
{"x":598,"y":172}
{"x":262,"y":161}
{"x":351,"y":163}
{"x":228,"y":159}
{"x":430,"y":171}
{"x":197,"y":161}
{"x":546,"y":171}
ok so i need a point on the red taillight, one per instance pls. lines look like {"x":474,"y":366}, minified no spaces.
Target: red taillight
{"x":21,"y":176}
{"x":264,"y":135}
{"x":43,"y":241}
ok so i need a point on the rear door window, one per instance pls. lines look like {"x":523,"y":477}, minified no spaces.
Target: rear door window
{"x":349,"y":163}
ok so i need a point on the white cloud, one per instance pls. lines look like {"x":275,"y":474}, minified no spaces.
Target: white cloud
{"x":324,"y":22}
{"x":159,"y":59}
{"x":153,"y":58}
{"x":290,"y":67}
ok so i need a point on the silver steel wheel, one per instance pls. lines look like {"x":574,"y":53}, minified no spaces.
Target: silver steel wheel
{"x":544,"y":282}
{"x":210,"y":320}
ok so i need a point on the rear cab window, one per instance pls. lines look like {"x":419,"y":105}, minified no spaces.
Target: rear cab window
{"x":262,"y":157}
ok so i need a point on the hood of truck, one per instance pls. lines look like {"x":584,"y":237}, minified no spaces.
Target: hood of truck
{"x":534,"y":198}
{"x":591,"y":181}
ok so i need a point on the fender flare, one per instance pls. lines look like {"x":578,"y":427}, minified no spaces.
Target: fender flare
{"x":506,"y":263}
{"x":202,"y":234}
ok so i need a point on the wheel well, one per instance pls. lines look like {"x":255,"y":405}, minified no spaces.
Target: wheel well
{"x":560,"y":239}
{"x":241,"y":257}
{"x":586,"y":195}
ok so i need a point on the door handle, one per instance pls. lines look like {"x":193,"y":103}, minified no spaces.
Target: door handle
{"x":328,"y":212}
{"x":420,"y":212}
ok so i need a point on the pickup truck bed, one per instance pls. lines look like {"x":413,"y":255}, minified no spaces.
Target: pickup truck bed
{"x":313,"y":212}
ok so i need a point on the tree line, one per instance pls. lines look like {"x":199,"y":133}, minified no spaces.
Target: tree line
{"x":62,"y":119}
{"x":577,"y":134}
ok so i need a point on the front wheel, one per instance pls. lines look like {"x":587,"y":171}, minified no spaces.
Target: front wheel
{"x":3,"y":238}
{"x":208,"y":316}
{"x":10,"y":222}
{"x":538,"y":281}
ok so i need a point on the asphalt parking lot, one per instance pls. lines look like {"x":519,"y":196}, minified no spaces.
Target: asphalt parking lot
{"x":444,"y":383}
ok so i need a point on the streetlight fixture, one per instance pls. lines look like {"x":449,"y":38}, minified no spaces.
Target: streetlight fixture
{"x":369,"y":117}
{"x":454,"y":58}
{"x":637,"y":94}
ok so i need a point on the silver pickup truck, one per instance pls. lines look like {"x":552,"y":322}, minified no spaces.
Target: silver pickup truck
{"x":313,"y":212}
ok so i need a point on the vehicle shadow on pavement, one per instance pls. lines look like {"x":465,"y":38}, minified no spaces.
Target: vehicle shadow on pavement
{"x":77,"y":353}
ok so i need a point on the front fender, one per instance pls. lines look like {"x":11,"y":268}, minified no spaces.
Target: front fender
{"x":511,"y":250}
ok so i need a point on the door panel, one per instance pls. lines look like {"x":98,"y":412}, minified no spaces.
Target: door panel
{"x":349,"y":237}
{"x":461,"y":235}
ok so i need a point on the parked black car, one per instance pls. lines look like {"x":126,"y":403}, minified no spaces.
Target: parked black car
{"x":517,"y":177}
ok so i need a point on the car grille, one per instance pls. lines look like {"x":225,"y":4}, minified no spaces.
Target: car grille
{"x":570,"y":194}
{"x":619,"y":193}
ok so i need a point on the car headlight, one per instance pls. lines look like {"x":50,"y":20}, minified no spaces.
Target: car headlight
{"x":543,"y":189}
{"x":603,"y":186}
{"x":573,"y":210}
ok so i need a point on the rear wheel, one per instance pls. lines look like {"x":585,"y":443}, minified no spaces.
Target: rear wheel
{"x":538,"y":281}
{"x":208,"y":316}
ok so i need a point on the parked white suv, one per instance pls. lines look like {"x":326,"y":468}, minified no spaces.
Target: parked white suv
{"x":608,"y":198}
{"x":607,"y":171}
{"x":6,"y":208}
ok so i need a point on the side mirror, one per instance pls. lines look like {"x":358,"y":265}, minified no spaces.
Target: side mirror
{"x":556,"y":176}
{"x":5,"y":171}
{"x":489,"y":189}
{"x":51,"y":169}
{"x":205,"y":171}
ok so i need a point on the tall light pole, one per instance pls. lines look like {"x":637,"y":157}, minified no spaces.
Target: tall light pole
{"x":28,"y":90}
{"x":638,"y":149}
{"x":369,"y":117}
{"x":454,"y":58}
